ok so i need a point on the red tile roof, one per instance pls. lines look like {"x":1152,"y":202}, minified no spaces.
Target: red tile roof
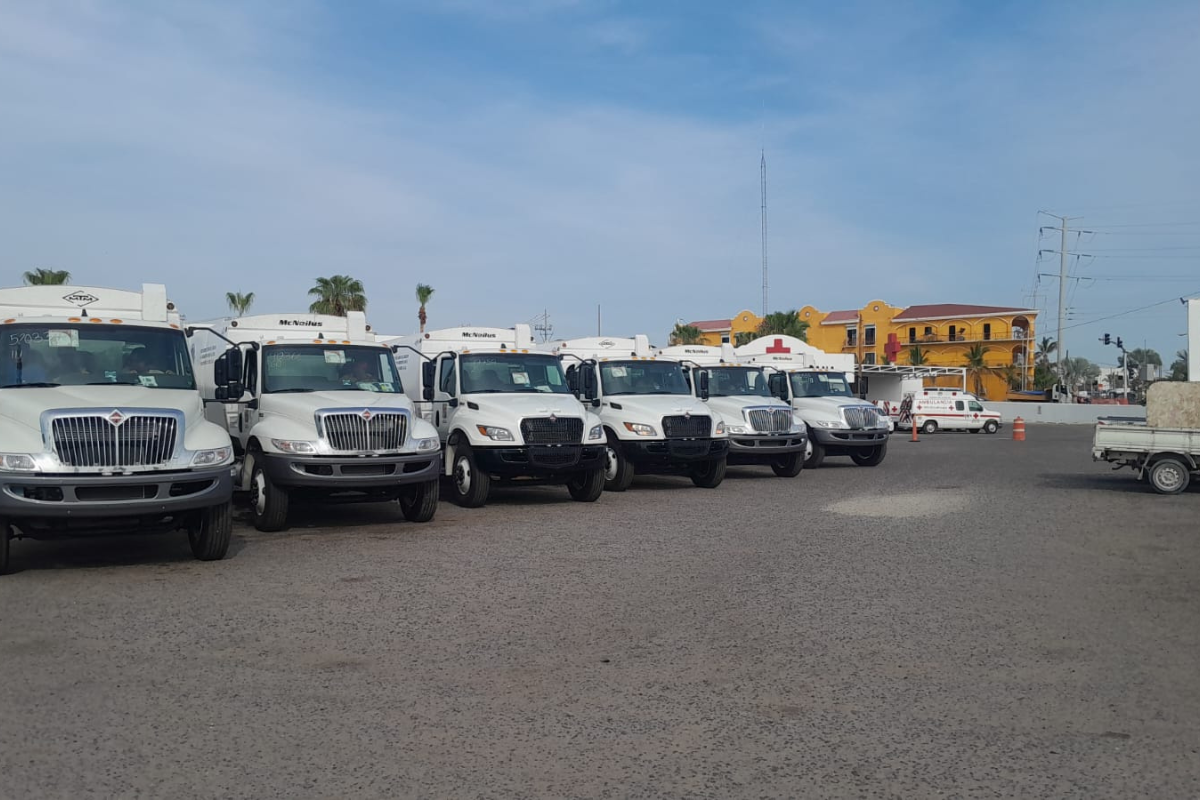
{"x":840,"y":316}
{"x":712,"y":324}
{"x":951,"y":310}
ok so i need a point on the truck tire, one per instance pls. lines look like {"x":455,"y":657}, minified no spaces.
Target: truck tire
{"x":469,"y":485}
{"x":816,"y":455}
{"x":709,"y":474}
{"x":210,"y":531}
{"x":870,"y":456}
{"x":5,"y":541}
{"x":618,"y":472}
{"x":586,"y":487}
{"x":789,"y":466}
{"x":419,"y":502}
{"x":1169,"y":475}
{"x":929,"y":426}
{"x":991,"y":426}
{"x":268,"y":503}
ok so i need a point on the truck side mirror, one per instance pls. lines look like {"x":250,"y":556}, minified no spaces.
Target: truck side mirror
{"x":573,"y":380}
{"x":779,"y":386}
{"x":428,"y":374}
{"x":702,"y":383}
{"x":221,"y":372}
{"x":588,"y":385}
{"x":235,"y":386}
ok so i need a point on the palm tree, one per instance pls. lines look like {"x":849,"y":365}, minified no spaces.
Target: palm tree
{"x":47,"y":277}
{"x":784,"y":323}
{"x":977,"y":367}
{"x":1179,"y":367}
{"x":1046,"y":347}
{"x":239,"y":302}
{"x":744,"y":337}
{"x":916,"y":356}
{"x":424,"y":292}
{"x":686,"y":334}
{"x":337,"y":295}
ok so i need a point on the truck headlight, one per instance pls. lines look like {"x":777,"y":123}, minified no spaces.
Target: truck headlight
{"x":798,"y":425}
{"x":720,"y":429}
{"x":640,"y":429}
{"x":294,"y":447}
{"x":596,"y":433}
{"x":210,"y":458}
{"x":736,"y":429}
{"x":18,"y":462}
{"x":495,"y":434}
{"x":426,"y":445}
{"x":834,"y":424}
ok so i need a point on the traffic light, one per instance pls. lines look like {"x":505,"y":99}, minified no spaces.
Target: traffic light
{"x":1107,"y":339}
{"x":1119,"y":344}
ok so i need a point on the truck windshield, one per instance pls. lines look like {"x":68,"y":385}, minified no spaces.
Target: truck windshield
{"x":94,"y":354}
{"x":516,"y":372}
{"x":820,"y":384}
{"x":737,"y":382}
{"x":329,"y":368}
{"x":643,"y":377}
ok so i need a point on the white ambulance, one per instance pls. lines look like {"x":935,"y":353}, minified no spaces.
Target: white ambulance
{"x":936,"y":408}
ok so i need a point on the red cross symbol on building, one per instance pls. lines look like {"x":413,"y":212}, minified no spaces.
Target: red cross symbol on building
{"x":892,"y":348}
{"x":778,"y":347}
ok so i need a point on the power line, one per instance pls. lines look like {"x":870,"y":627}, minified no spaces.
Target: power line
{"x":1131,"y":311}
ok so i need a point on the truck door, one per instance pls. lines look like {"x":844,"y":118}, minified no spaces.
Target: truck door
{"x":447,"y":391}
{"x":245,"y":413}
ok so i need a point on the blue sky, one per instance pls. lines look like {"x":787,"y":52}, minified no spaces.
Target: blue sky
{"x":530,"y":155}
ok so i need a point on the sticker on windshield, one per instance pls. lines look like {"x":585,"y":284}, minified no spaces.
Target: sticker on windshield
{"x":618,"y":372}
{"x":385,"y":387}
{"x":63,"y":338}
{"x":335,"y":356}
{"x":520,"y":378}
{"x":148,"y":380}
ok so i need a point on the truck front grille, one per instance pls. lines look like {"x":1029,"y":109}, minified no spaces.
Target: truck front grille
{"x":698,"y":427}
{"x":365,"y":431}
{"x":544,"y":430}
{"x":770,"y":420}
{"x":114,"y":441}
{"x":858,"y":417}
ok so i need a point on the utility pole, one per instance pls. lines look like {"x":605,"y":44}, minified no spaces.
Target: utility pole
{"x":762,"y":169}
{"x":1062,"y":287}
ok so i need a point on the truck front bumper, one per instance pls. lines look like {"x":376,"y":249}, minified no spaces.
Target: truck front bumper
{"x":145,"y":494}
{"x":765,"y":448}
{"x":539,"y":460}
{"x":666,"y":453}
{"x":349,"y":473}
{"x":845,"y":441}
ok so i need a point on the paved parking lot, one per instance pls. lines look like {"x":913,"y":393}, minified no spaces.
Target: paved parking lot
{"x":975,"y":617}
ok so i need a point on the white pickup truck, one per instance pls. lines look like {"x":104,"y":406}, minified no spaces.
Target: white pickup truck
{"x":1164,"y":448}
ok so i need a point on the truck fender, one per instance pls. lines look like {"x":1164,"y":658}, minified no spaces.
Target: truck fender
{"x":252,"y":449}
{"x":1155,"y":456}
{"x":449,"y":451}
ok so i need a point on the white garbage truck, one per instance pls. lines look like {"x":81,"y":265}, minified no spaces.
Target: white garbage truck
{"x":818,"y":386}
{"x":503,"y":410}
{"x":763,"y":430}
{"x":102,"y":429}
{"x":653,"y":424}
{"x":321,"y":415}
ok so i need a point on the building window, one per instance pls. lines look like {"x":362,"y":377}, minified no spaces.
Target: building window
{"x":724,"y":338}
{"x":912,"y":335}
{"x":851,"y":337}
{"x":928,"y":332}
{"x":987,"y":330}
{"x":953,"y":331}
{"x":869,"y":336}
{"x":868,"y":358}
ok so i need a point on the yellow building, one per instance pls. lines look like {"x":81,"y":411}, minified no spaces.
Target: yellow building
{"x":938,"y":335}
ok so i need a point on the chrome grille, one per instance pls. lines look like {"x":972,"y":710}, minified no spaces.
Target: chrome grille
{"x":861,"y":416}
{"x":365,"y":430}
{"x":559,"y":430}
{"x":770,"y":420}
{"x":138,"y":440}
{"x":697,"y":427}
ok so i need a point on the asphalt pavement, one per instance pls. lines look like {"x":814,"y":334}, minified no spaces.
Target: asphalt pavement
{"x":975,"y":617}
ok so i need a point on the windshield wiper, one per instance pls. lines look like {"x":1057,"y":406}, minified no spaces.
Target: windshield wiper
{"x":289,"y":391}
{"x":115,"y":383}
{"x":42,"y":385}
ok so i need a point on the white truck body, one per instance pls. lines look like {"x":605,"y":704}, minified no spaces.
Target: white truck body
{"x":652,"y":422}
{"x":1164,"y":453}
{"x":818,"y":387}
{"x":323,"y":415}
{"x":938,"y":408}
{"x":101,"y":424}
{"x":762,"y":428}
{"x":503,"y":410}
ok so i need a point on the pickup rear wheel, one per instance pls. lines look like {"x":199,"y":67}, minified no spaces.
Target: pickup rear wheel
{"x":471,"y":484}
{"x":419,"y":502}
{"x":268,"y":503}
{"x":210,"y":532}
{"x":586,"y":487}
{"x":789,"y":466}
{"x":1169,"y":475}
{"x":709,"y":474}
{"x":618,"y":471}
{"x":5,"y":541}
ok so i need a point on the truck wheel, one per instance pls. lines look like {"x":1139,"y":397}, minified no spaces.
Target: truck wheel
{"x":929,"y":426}
{"x":815,"y":455}
{"x":419,"y":502}
{"x":586,"y":487}
{"x":471,"y":485}
{"x":710,"y":474}
{"x":870,"y":456}
{"x":1169,"y":476}
{"x":210,"y":532}
{"x":268,"y":503}
{"x":991,"y":426}
{"x":789,"y":466}
{"x":5,"y":541}
{"x":618,"y":472}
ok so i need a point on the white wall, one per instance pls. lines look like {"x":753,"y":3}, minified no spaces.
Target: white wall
{"x":1064,"y":413}
{"x":1193,"y":338}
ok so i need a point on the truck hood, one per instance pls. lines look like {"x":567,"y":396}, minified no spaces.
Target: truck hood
{"x":527,"y":405}
{"x":301,"y":406}
{"x":826,"y":407}
{"x":25,"y":406}
{"x":731,"y":407}
{"x":652,"y":408}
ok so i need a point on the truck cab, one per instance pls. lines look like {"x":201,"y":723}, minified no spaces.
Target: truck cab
{"x":653,"y":424}
{"x":320,"y":413}
{"x":503,"y":410}
{"x":101,"y":425}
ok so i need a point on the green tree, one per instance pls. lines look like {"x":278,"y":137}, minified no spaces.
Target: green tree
{"x":1043,"y":376}
{"x":783,"y":323}
{"x":424,"y":292}
{"x":1046,"y":348}
{"x":916,"y":356}
{"x":744,"y":337}
{"x":338,"y":295}
{"x":686,"y":334}
{"x":1078,"y":373}
{"x":1179,"y":367}
{"x":47,"y":277}
{"x":977,"y":367}
{"x":239,"y":302}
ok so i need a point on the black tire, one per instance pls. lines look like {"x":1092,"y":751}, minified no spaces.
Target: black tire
{"x":586,"y":487}
{"x":991,"y":426}
{"x":268,"y":502}
{"x":816,"y":456}
{"x":789,"y":466}
{"x":1169,"y":475}
{"x":419,"y":502}
{"x":210,"y":532}
{"x":5,"y":542}
{"x":870,"y":456}
{"x":709,"y":474}
{"x":929,"y":426}
{"x":469,"y":486}
{"x":618,"y":471}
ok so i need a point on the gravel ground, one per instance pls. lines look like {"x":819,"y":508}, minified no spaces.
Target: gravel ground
{"x":975,"y":617}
